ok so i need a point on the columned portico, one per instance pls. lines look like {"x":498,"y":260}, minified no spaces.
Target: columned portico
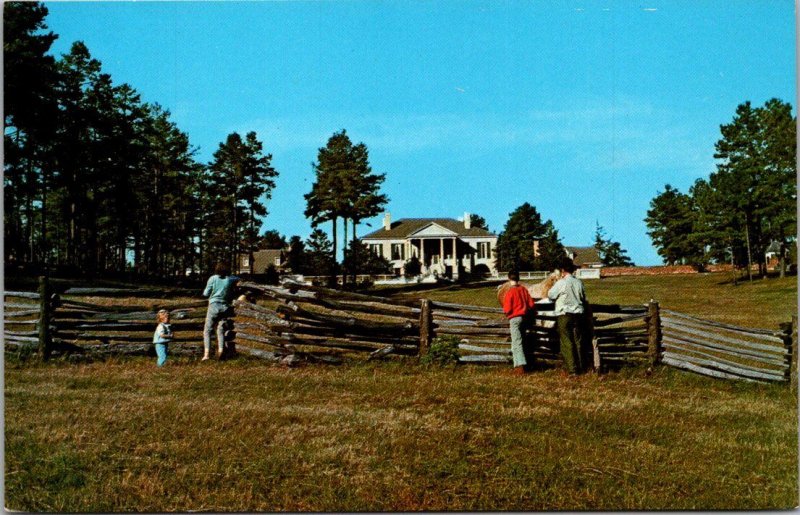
{"x":444,"y":247}
{"x":439,"y":254}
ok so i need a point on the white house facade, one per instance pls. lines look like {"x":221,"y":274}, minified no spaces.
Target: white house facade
{"x":445,"y":247}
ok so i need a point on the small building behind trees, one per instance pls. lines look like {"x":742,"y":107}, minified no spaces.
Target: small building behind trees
{"x":584,"y":257}
{"x":261,"y":261}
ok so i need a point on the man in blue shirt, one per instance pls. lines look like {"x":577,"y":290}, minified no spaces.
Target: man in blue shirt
{"x":220,"y":290}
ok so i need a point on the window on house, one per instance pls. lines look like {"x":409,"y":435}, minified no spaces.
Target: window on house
{"x":245,"y":260}
{"x":376,"y":249}
{"x":484,"y":250}
{"x":398,"y":251}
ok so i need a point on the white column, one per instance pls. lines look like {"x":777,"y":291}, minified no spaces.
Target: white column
{"x":441,"y":251}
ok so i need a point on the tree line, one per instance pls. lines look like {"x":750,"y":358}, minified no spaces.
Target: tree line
{"x":743,"y":207}
{"x":98,"y":181}
{"x":528,"y":242}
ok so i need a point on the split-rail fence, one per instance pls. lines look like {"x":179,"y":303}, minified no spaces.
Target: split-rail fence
{"x":298,"y":321}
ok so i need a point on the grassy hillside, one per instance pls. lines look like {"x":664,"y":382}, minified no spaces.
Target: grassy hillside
{"x":241,"y":436}
{"x":761,"y":303}
{"x":244,"y":436}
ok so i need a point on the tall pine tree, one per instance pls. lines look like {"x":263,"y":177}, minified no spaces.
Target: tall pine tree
{"x":241,"y":180}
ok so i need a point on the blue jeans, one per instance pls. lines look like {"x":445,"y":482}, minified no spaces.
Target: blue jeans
{"x":517,"y":351}
{"x":216,"y":313}
{"x":161,"y":351}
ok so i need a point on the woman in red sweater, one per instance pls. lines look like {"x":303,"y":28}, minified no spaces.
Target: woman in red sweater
{"x":516,"y":305}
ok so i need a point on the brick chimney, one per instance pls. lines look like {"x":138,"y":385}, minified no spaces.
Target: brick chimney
{"x":536,"y":248}
{"x":467,"y":220}
{"x":387,"y":221}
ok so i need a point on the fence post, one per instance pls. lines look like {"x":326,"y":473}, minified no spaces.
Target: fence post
{"x":44,"y":319}
{"x":591,"y":338}
{"x":653,"y":333}
{"x":229,"y":335}
{"x":425,"y":327}
{"x":790,"y":340}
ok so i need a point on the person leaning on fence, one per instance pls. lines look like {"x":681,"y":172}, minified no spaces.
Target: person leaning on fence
{"x":220,"y":290}
{"x":570,"y":301}
{"x":162,"y":336}
{"x":517,"y":304}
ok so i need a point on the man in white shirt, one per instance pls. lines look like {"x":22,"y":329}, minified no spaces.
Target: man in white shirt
{"x":570,"y":301}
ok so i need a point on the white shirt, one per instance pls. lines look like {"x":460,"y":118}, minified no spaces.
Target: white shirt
{"x":569,"y":295}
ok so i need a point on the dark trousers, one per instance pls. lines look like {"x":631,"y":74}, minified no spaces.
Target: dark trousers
{"x":570,"y":332}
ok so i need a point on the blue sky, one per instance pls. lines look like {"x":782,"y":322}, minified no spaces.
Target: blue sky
{"x":585,"y":109}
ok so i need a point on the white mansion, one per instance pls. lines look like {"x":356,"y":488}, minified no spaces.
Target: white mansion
{"x":444,"y":246}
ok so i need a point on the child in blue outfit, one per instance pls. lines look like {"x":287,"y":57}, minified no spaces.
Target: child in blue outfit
{"x":162,"y":336}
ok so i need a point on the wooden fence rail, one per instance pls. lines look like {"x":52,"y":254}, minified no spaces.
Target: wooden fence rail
{"x":727,"y":351}
{"x":297,"y":319}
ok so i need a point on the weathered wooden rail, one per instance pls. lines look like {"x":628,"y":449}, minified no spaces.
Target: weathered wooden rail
{"x":60,"y":323}
{"x":317,"y":323}
{"x":728,"y":351}
{"x":320,"y":320}
{"x":310,"y":316}
{"x":619,"y":334}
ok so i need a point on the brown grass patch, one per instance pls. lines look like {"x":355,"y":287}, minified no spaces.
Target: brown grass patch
{"x":242,"y":436}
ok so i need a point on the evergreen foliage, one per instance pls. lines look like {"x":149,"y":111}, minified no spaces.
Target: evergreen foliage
{"x":748,"y":202}
{"x":412,"y":267}
{"x":318,"y":254}
{"x":296,"y":255}
{"x":611,"y":252}
{"x":670,"y":220}
{"x":515,"y":245}
{"x":345,"y":188}
{"x":359,"y":260}
{"x":241,"y":176}
{"x":271,"y":239}
{"x":96,"y":181}
{"x":478,"y":221}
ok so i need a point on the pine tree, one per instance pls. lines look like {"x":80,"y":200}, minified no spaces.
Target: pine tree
{"x":30,"y":109}
{"x":345,"y":188}
{"x":527,"y":242}
{"x":239,"y":177}
{"x":360,"y":260}
{"x":478,"y":221}
{"x":611,"y":252}
{"x":271,"y":239}
{"x":296,"y":256}
{"x":671,"y":221}
{"x":318,"y":250}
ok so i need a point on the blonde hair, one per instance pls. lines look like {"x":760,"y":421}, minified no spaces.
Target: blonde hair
{"x":160,"y":314}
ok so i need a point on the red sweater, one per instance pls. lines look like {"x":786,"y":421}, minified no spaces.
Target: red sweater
{"x":517,"y":301}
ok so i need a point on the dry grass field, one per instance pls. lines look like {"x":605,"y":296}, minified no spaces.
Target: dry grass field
{"x":242,"y":435}
{"x":763,"y":303}
{"x":125,"y":436}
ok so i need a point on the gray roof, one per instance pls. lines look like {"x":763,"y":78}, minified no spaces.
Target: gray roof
{"x":406,"y":226}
